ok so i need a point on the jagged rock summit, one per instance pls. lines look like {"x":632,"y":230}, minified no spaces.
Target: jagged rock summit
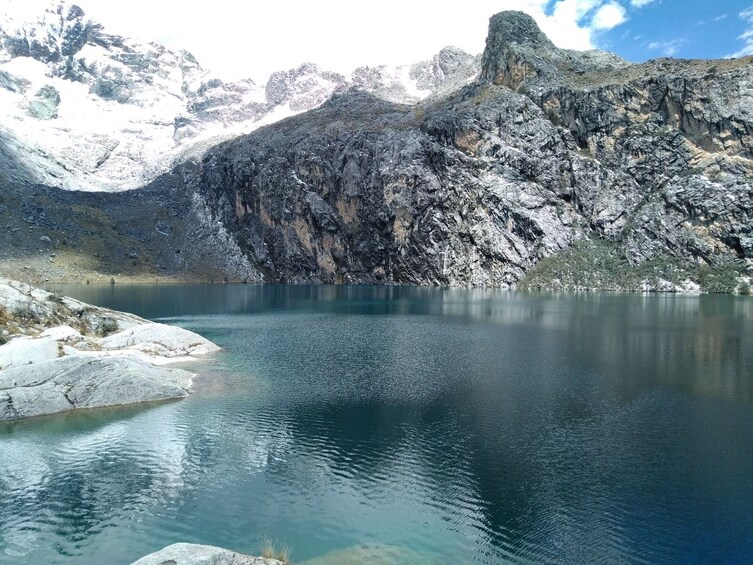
{"x":518,"y":53}
{"x":56,"y":37}
{"x":517,"y":27}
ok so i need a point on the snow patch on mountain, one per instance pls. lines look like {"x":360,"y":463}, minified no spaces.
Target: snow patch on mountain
{"x":86,"y":110}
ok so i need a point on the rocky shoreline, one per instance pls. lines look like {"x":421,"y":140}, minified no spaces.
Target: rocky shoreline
{"x":59,"y":354}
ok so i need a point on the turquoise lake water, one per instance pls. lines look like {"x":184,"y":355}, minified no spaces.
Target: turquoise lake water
{"x":409,"y":425}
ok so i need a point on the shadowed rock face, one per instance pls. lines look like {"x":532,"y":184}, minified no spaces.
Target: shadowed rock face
{"x":367,"y":191}
{"x":549,"y":146}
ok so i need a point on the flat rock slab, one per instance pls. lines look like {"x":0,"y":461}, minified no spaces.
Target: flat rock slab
{"x":159,"y":340}
{"x":62,"y":333}
{"x":27,"y":351}
{"x":193,"y":554}
{"x":58,"y":358}
{"x":78,"y":381}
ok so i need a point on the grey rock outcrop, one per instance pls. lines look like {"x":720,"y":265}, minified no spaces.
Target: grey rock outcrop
{"x":58,"y":36}
{"x":430,"y":195}
{"x":518,"y":53}
{"x":77,"y":381}
{"x":303,"y":88}
{"x":500,"y":162}
{"x":195,"y":554}
{"x":45,"y":103}
{"x":678,"y":134}
{"x":48,"y":366}
{"x":450,"y":69}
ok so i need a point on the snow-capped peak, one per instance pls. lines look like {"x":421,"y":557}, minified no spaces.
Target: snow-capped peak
{"x":94,"y":111}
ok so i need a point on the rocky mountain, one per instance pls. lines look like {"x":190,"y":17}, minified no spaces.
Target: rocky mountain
{"x":552,"y":167}
{"x":89,"y":110}
{"x":547,"y":148}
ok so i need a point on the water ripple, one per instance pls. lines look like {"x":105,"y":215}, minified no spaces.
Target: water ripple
{"x":433,"y":434}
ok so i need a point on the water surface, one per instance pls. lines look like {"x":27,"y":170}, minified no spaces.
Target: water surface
{"x":414,"y":425}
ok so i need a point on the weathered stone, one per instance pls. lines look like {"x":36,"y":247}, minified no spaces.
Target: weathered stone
{"x":174,"y":109}
{"x":85,"y":381}
{"x":45,"y":104}
{"x":473,"y":186}
{"x":194,"y":554}
{"x":64,"y":369}
{"x":27,"y":351}
{"x":159,"y":340}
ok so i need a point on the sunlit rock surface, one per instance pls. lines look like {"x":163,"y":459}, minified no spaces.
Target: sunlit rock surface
{"x":456,"y":171}
{"x":112,"y":358}
{"x":547,"y":148}
{"x":194,"y":554}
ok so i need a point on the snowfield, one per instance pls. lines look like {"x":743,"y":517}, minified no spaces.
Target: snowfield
{"x":81,"y":109}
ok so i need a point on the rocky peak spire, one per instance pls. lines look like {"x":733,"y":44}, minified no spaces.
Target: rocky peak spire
{"x":53,"y":35}
{"x":511,"y":35}
{"x":71,"y":11}
{"x":515,"y":27}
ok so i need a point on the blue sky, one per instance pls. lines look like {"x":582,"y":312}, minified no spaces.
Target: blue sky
{"x":680,"y":28}
{"x":239,"y":39}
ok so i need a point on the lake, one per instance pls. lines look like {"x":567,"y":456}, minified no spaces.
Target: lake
{"x":409,"y":425}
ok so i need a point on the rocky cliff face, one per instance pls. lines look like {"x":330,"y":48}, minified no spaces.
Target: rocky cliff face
{"x":678,"y":133}
{"x":548,"y":147}
{"x":94,"y":111}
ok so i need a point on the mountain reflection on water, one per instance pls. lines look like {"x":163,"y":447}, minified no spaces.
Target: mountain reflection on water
{"x":697,"y":343}
{"x":446,"y":425}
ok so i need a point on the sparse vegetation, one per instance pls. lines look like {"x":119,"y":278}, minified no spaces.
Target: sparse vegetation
{"x":55,"y":298}
{"x":271,"y":550}
{"x":5,"y":320}
{"x":720,"y":280}
{"x":585,"y":265}
{"x":107,"y":326}
{"x":601,"y":265}
{"x":26,"y":314}
{"x":83,"y":326}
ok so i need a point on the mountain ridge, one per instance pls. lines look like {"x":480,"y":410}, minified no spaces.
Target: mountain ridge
{"x":97,"y":111}
{"x":548,"y":148}
{"x":548,"y":168}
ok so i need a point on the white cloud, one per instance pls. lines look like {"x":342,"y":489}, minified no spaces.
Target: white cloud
{"x":667,"y":48}
{"x":241,"y":39}
{"x":747,"y":36}
{"x":720,"y":18}
{"x":640,"y":3}
{"x":608,"y":16}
